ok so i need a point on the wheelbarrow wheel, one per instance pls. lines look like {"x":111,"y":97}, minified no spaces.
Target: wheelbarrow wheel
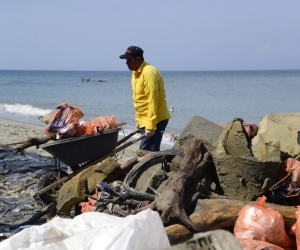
{"x":157,"y":157}
{"x":46,"y":180}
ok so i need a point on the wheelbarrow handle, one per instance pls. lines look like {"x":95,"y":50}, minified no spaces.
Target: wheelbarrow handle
{"x":129,"y":143}
{"x":13,"y":143}
{"x":127,"y":137}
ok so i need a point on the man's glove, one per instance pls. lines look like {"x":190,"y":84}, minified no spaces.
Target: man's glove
{"x":149,"y":133}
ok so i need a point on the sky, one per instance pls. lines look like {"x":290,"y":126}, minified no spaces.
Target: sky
{"x":175,"y":35}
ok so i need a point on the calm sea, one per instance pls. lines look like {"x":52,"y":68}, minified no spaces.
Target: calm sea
{"x":219,"y":96}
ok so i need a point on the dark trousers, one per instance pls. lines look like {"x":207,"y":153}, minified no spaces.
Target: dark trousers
{"x":153,"y":143}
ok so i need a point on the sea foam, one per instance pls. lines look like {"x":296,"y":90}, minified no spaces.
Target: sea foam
{"x":167,"y":140}
{"x":23,"y":109}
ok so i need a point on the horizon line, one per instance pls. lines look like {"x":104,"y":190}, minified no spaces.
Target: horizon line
{"x":159,"y":70}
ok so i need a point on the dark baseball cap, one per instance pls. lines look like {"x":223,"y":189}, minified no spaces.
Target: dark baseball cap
{"x":132,"y":51}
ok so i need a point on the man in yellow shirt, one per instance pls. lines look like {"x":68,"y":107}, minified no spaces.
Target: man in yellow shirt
{"x":149,"y":98}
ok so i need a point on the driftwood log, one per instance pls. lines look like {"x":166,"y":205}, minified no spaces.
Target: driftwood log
{"x":170,"y":204}
{"x":211,"y":214}
{"x":32,"y":141}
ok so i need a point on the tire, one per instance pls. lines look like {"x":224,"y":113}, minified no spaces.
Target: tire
{"x":154,"y":158}
{"x":44,"y":181}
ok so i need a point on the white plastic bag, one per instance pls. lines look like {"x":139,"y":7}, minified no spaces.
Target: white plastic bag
{"x":93,"y":230}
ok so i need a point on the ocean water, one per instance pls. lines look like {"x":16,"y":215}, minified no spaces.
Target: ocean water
{"x":219,"y":96}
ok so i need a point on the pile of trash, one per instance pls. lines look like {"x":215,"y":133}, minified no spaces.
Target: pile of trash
{"x":245,"y":165}
{"x":112,"y":199}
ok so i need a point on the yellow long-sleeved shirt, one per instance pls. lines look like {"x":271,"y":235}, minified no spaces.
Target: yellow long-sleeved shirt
{"x":149,"y":96}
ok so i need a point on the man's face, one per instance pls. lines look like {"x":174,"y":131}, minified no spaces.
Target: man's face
{"x":133,"y":63}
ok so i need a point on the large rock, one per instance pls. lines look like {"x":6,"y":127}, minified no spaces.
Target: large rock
{"x":277,"y":130}
{"x":206,"y":131}
{"x":241,"y":175}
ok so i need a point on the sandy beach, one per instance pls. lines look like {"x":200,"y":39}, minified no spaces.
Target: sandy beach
{"x":14,"y":132}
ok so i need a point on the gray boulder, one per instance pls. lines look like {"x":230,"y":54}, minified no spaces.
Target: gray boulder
{"x":241,"y":175}
{"x":207,"y":131}
{"x":277,"y":132}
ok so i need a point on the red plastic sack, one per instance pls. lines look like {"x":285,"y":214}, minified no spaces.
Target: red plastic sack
{"x":64,"y":120}
{"x":89,"y":206}
{"x":251,"y":129}
{"x":262,"y":224}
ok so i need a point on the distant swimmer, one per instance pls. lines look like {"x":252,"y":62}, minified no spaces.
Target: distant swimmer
{"x":88,"y":79}
{"x":82,"y":78}
{"x":171,"y":109}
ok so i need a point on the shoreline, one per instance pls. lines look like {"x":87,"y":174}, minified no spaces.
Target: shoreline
{"x":167,"y":141}
{"x":13,"y":132}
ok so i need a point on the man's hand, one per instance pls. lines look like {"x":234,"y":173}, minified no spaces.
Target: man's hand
{"x":137,"y":126}
{"x":149,"y":133}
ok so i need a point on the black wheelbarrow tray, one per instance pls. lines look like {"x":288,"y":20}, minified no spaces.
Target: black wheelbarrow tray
{"x":77,"y":150}
{"x":82,"y":152}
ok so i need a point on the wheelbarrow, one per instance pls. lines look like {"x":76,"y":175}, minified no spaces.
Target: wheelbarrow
{"x":79,"y":153}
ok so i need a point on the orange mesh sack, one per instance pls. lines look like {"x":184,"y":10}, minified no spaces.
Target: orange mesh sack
{"x":86,"y":129}
{"x":100,"y":123}
{"x":64,"y":120}
{"x":262,"y":224}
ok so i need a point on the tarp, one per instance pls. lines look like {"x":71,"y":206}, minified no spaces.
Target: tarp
{"x":93,"y":230}
{"x":17,"y":204}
